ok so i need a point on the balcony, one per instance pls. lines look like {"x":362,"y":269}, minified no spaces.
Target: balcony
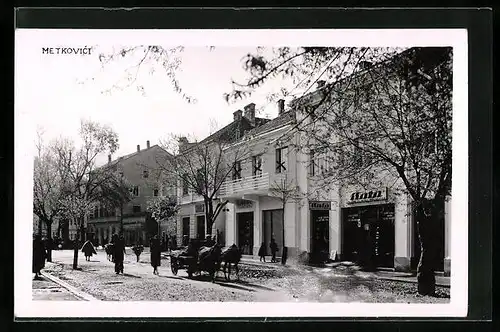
{"x":251,"y":185}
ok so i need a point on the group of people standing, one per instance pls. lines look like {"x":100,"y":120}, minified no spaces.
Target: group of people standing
{"x":263,"y":252}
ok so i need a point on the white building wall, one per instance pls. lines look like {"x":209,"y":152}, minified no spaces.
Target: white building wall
{"x":230,"y":225}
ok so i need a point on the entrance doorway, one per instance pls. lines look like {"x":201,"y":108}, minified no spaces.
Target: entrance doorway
{"x":272,"y":223}
{"x":368,"y":235}
{"x":200,"y":227}
{"x":320,"y":235}
{"x":185,"y":231}
{"x":245,"y":232}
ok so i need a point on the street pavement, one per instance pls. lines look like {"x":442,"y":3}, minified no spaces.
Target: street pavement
{"x":46,"y":290}
{"x":257,"y":282}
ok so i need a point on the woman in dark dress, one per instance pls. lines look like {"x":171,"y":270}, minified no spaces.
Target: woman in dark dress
{"x":274,"y":248}
{"x":39,"y":256}
{"x":155,"y":249}
{"x":118,"y":252}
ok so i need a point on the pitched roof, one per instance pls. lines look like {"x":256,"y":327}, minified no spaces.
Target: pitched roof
{"x":130,"y":155}
{"x":283,"y":119}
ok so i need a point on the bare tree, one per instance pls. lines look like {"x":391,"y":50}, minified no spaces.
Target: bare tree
{"x":164,"y":208}
{"x":202,"y":167}
{"x":48,"y":188}
{"x":375,"y":122}
{"x":286,"y":190}
{"x":85,"y":179}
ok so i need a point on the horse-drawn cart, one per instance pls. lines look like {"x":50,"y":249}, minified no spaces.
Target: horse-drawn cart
{"x":179,"y":260}
{"x":195,"y":259}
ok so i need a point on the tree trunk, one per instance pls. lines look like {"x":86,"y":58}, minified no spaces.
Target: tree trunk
{"x":425,"y":270}
{"x":121,"y":218}
{"x":284,"y":251}
{"x":40,"y":226}
{"x":76,"y":247}
{"x":49,"y":241}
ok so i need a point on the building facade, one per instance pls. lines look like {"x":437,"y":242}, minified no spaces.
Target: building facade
{"x":191,"y":219}
{"x":141,"y":171}
{"x":336,"y":221}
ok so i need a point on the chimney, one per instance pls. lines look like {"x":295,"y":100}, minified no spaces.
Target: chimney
{"x":183,"y":141}
{"x":320,"y":84}
{"x":250,"y":113}
{"x":138,"y":148}
{"x":281,"y":106}
{"x":147,"y":144}
{"x":237,"y":115}
{"x":109,"y":158}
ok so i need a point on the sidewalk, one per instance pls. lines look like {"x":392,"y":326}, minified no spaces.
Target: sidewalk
{"x":47,"y":290}
{"x":381,"y":274}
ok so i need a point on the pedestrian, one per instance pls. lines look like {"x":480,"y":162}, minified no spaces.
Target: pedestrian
{"x":39,"y":256}
{"x":118,"y":252}
{"x":262,"y":252}
{"x":88,"y":249}
{"x":155,"y":250}
{"x":274,"y":248}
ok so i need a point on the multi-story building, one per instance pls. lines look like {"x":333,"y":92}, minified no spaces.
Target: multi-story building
{"x":142,"y":172}
{"x":319,"y":219}
{"x":191,"y":223}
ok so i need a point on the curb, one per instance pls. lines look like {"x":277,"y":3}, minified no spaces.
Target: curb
{"x":78,"y":293}
{"x":440,"y":284}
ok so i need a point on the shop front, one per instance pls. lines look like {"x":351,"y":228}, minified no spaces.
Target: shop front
{"x":320,"y":234}
{"x":368,"y":229}
{"x":244,"y":222}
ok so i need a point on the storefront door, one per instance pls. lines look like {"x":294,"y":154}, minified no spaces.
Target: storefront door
{"x":185,"y":231}
{"x":320,"y":235}
{"x":368,"y":235}
{"x":200,"y":227}
{"x":245,"y":232}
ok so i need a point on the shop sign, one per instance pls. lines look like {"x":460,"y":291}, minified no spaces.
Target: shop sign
{"x":320,"y":205}
{"x":368,"y":196}
{"x":244,"y":204}
{"x":199,"y":208}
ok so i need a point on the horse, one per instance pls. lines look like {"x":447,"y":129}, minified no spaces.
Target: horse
{"x":209,"y":260}
{"x":109,"y":251}
{"x":231,"y":255}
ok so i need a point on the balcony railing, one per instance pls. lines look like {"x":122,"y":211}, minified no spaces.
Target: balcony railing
{"x":256,"y":184}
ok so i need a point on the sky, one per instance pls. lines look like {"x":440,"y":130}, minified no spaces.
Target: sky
{"x":66,"y":89}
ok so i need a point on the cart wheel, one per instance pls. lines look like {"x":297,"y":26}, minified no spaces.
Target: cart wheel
{"x":174,"y":267}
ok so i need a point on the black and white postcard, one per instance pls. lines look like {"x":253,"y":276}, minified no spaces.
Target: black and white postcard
{"x":241,"y":173}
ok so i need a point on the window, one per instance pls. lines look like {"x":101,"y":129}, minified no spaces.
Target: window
{"x":155,"y":193}
{"x":136,"y":209}
{"x":185,"y":188}
{"x":145,"y":173}
{"x":257,"y":165}
{"x":136,"y":191}
{"x":312,"y":163}
{"x":237,"y":170}
{"x":121,"y":174}
{"x":281,"y":159}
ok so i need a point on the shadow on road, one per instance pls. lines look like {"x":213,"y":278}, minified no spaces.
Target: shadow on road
{"x":172,"y":277}
{"x":246,"y":283}
{"x":131,"y":275}
{"x":225,"y":284}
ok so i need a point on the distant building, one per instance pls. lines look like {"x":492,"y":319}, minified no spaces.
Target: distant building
{"x":140,"y":169}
